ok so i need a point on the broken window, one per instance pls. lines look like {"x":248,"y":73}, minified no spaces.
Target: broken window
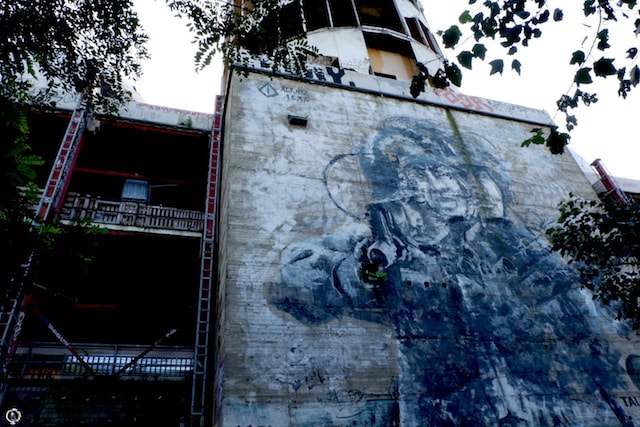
{"x":316,"y":14}
{"x":379,"y":13}
{"x":290,"y":20}
{"x":430,"y":39}
{"x":342,"y":13}
{"x":282,"y":23}
{"x":414,"y":29}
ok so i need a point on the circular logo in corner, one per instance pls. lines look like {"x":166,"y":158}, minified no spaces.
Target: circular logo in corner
{"x":13,"y":416}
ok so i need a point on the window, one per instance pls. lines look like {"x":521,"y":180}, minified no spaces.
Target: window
{"x":430,"y":40}
{"x":342,"y":13}
{"x":290,"y":20}
{"x":414,"y":29}
{"x":390,"y":57}
{"x":135,"y":190}
{"x":316,"y":14}
{"x":379,"y":13}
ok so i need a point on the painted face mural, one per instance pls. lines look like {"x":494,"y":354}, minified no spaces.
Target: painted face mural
{"x":482,"y":310}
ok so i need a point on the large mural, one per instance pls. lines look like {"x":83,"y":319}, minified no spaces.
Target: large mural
{"x":385,"y":264}
{"x":489,"y":324}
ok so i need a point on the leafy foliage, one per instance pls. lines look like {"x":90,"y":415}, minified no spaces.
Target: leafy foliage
{"x":72,"y":45}
{"x":516,"y":23}
{"x":243,"y":35}
{"x":17,"y":193}
{"x":69,"y":46}
{"x":602,"y":239}
{"x":450,"y":73}
{"x":555,"y":141}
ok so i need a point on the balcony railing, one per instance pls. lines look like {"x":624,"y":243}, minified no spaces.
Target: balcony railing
{"x":46,"y":361}
{"x":130,"y":214}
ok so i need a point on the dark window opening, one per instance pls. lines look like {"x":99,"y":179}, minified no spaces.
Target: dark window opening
{"x":291,"y":20}
{"x":379,"y":13}
{"x":282,"y":23}
{"x":430,"y":39}
{"x":414,"y":29}
{"x":388,"y":43}
{"x":342,"y":13}
{"x":316,"y":14}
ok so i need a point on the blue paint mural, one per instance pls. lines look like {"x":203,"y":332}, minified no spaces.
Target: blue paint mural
{"x":491,"y":328}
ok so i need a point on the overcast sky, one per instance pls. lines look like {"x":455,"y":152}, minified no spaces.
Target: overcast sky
{"x":606,"y":130}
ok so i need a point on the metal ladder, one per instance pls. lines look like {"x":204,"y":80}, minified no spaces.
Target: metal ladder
{"x":611,"y":186}
{"x":207,"y":282}
{"x":13,"y":310}
{"x":12,"y":314}
{"x":67,"y":155}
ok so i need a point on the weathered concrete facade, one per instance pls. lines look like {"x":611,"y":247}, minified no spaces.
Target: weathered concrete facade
{"x":386,"y":264}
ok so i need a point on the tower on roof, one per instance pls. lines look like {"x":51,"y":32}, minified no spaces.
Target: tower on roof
{"x":382,"y":37}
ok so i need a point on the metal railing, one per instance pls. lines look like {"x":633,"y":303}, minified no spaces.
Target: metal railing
{"x":49,"y":361}
{"x":130,"y":214}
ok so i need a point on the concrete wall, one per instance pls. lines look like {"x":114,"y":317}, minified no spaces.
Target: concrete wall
{"x":473,"y":321}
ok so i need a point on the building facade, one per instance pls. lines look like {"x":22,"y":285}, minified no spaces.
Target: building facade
{"x":322,"y":250}
{"x":383,"y":259}
{"x":115,"y":341}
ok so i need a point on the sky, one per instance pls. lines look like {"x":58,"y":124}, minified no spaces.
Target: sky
{"x":606,"y":130}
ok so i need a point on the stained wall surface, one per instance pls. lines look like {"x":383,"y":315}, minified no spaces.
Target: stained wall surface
{"x":386,"y":265}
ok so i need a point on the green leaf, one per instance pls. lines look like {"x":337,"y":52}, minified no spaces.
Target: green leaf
{"x":558,"y":15}
{"x":583,"y":76}
{"x":465,"y":17}
{"x":588,"y":7}
{"x":577,"y":57}
{"x":634,"y":76}
{"x":479,"y":50}
{"x":542,"y":18}
{"x":537,"y":139}
{"x":603,"y":37}
{"x":557,"y":141}
{"x":453,"y":74}
{"x":451,"y":36}
{"x":439,"y":80}
{"x":604,"y":67}
{"x":515,"y":65}
{"x":418,"y":84}
{"x":497,"y":66}
{"x":464,"y":58}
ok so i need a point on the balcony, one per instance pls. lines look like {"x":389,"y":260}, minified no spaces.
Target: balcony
{"x":51,"y":361}
{"x":132,"y":215}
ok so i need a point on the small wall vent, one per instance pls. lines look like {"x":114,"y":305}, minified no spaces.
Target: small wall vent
{"x":298,"y":120}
